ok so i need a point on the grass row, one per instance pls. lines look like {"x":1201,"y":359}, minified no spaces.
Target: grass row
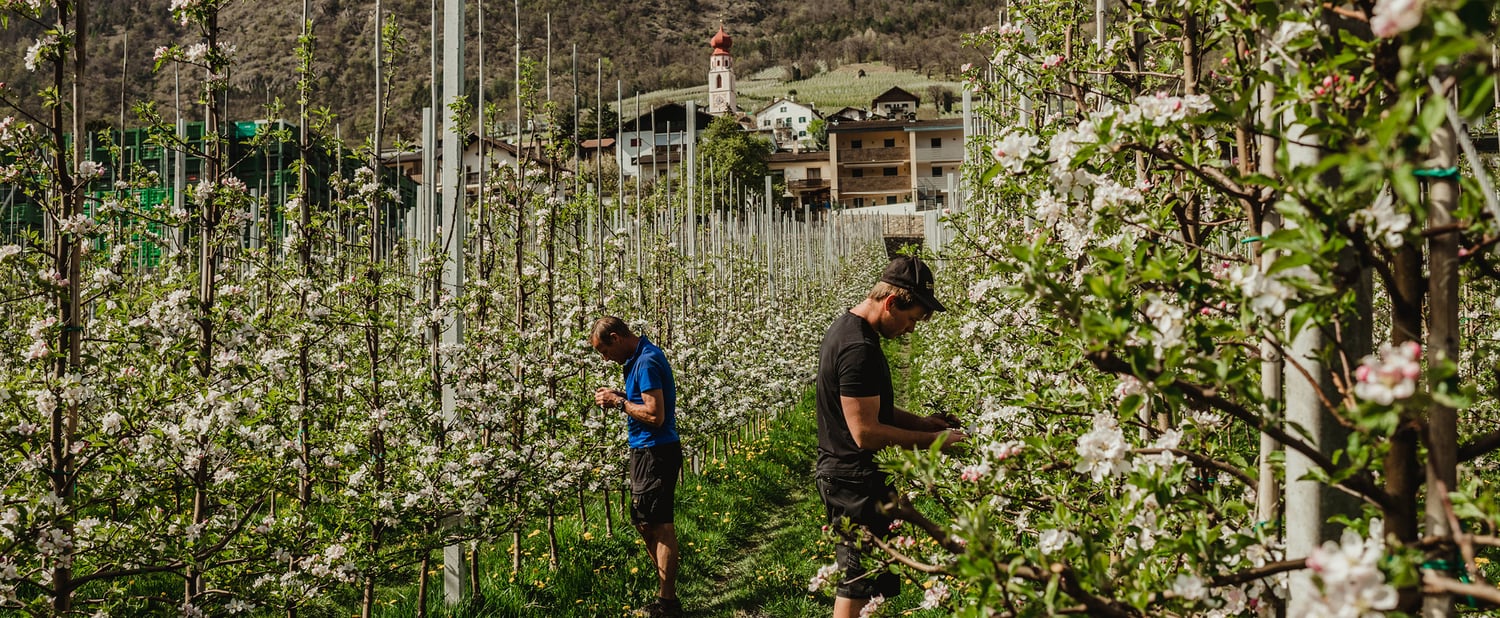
{"x":750,"y":531}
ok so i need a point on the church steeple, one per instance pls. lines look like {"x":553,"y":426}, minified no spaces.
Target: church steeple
{"x":721,"y":98}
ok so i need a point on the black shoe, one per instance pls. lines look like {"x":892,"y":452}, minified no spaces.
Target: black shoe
{"x":663,"y":608}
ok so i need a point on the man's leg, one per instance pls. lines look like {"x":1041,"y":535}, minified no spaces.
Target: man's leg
{"x":848,"y":608}
{"x":648,"y":534}
{"x":665,"y":556}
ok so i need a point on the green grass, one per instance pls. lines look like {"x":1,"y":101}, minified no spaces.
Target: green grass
{"x":750,"y":534}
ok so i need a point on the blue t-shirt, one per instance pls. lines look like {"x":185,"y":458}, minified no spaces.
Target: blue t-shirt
{"x":648,"y":370}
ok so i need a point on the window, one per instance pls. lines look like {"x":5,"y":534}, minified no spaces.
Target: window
{"x":857,"y":173}
{"x":890,"y":142}
{"x":890,"y":199}
{"x":854,"y":143}
{"x":634,"y":142}
{"x":718,"y":81}
{"x":937,"y":172}
{"x":814,"y":173}
{"x":783,"y":109}
{"x":859,"y":202}
{"x":802,"y":120}
{"x":889,"y":171}
{"x":937,"y":142}
{"x":766,"y":122}
{"x":802,"y":134}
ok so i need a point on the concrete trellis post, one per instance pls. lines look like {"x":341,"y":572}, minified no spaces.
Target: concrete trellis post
{"x":455,"y":575}
{"x":1308,"y":382}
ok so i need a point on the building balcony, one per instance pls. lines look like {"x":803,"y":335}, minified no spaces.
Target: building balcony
{"x":877,"y":184}
{"x":871,"y":155}
{"x":945,"y":154}
{"x":809,"y":184}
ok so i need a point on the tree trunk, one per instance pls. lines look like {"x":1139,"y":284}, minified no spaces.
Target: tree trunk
{"x":1442,"y":349}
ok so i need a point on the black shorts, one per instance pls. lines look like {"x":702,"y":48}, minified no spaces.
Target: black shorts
{"x":858,"y":499}
{"x":653,"y":483}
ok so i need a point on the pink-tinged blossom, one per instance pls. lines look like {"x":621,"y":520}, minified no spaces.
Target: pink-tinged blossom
{"x":934,"y":597}
{"x":88,"y":170}
{"x":1012,"y":150}
{"x":1102,"y":451}
{"x":1161,"y":109}
{"x":1392,"y":17}
{"x":1128,"y":386}
{"x":973,"y":473}
{"x":1052,"y":61}
{"x":826,"y":576}
{"x":1391,"y":375}
{"x":1350,"y":577}
{"x":872,"y":607}
{"x":38,"y":350}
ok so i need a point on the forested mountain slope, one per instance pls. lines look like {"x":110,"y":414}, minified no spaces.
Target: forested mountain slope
{"x":647,"y":44}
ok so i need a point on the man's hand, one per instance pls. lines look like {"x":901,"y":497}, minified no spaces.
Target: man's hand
{"x":952,"y":437}
{"x":939,"y":421}
{"x":607,"y":397}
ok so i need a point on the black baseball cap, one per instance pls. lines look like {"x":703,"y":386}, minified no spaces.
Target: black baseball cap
{"x":911,"y":274}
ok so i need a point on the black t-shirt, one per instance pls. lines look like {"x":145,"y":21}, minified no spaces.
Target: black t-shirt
{"x":850,"y":364}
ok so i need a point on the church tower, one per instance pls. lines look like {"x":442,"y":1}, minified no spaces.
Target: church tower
{"x":721,"y":75}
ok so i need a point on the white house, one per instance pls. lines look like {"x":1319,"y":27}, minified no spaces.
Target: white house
{"x":786,"y":121}
{"x":493,"y":151}
{"x":653,"y":144}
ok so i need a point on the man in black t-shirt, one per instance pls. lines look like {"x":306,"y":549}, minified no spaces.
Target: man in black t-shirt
{"x":857,"y":416}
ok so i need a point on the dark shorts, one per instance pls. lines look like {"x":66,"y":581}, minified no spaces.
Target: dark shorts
{"x":858,"y":500}
{"x":653,"y":483}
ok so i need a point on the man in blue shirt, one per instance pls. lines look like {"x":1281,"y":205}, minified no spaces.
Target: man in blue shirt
{"x":650,"y":405}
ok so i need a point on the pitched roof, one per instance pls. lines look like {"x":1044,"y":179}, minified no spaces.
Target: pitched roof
{"x":675,"y":113}
{"x":779,"y":100}
{"x":896,"y":93}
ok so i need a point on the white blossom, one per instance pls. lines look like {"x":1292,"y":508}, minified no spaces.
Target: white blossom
{"x":1381,"y":221}
{"x":1189,"y":587}
{"x":1102,"y":451}
{"x":1350,"y":577}
{"x":1052,"y":541}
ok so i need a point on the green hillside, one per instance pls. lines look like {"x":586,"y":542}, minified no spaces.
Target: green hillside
{"x":828,"y":91}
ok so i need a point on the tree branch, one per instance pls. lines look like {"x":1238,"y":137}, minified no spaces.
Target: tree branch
{"x":1257,"y":573}
{"x":1203,"y":461}
{"x":1433,"y":583}
{"x":903,"y":558}
{"x":1480,"y":445}
{"x":1360,"y":485}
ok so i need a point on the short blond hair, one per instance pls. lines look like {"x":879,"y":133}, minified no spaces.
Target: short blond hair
{"x":904,"y":298}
